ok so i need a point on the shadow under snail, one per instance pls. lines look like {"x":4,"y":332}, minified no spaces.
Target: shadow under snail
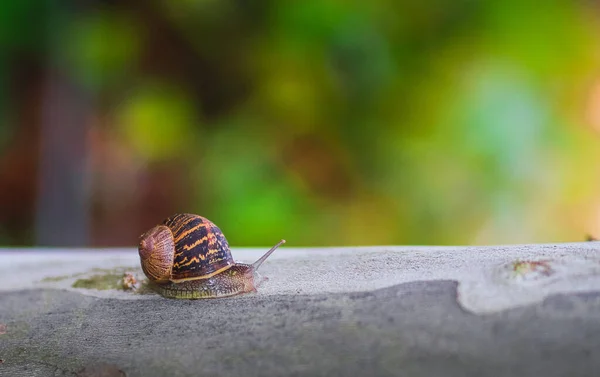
{"x":188,"y":257}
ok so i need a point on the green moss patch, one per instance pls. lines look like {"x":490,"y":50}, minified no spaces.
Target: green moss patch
{"x":100,"y":282}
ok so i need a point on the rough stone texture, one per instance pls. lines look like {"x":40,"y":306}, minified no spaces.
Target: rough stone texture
{"x":415,"y":328}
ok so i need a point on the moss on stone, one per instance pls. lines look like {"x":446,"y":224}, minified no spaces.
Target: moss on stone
{"x":100,"y":282}
{"x":53,"y":279}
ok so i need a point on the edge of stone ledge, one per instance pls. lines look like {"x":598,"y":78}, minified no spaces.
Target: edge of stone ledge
{"x":485,"y":276}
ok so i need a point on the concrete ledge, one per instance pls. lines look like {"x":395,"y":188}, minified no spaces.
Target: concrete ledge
{"x":502,"y":310}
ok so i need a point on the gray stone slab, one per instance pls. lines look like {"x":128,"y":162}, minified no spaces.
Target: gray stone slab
{"x":401,"y":312}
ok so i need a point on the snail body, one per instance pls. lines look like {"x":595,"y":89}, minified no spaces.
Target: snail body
{"x":188,"y":257}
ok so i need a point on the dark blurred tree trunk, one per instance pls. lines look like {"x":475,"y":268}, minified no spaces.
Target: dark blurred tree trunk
{"x":62,"y":190}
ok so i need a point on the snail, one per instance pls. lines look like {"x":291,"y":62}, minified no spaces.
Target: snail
{"x":188,"y":257}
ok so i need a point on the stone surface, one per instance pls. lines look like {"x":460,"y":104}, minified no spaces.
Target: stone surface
{"x":527,"y":310}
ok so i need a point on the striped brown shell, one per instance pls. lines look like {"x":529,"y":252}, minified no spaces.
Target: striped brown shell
{"x":201,"y":249}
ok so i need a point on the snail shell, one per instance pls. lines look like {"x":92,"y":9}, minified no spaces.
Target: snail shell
{"x":187,"y":256}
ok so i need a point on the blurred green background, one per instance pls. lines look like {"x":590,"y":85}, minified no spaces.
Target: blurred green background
{"x":322,"y":122}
